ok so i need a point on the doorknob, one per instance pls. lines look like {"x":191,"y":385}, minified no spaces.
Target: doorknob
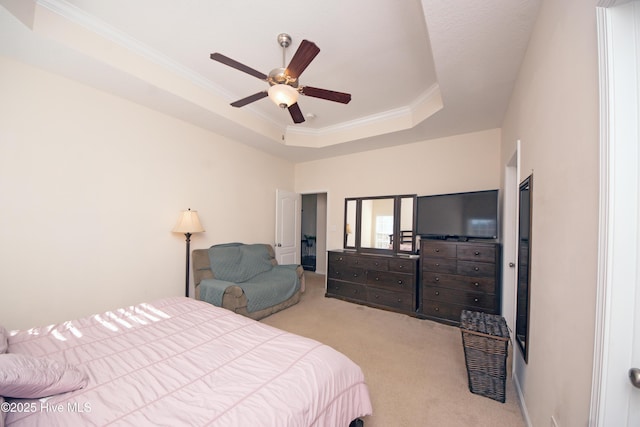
{"x":634,"y":376}
{"x":511,"y":265}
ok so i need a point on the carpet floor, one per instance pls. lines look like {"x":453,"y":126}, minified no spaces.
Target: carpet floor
{"x":414,"y":368}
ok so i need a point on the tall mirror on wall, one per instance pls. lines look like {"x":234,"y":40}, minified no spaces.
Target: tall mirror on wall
{"x":380,"y":224}
{"x":524,"y":267}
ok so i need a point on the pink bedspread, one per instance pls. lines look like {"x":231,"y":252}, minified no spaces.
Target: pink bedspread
{"x":178,"y":362}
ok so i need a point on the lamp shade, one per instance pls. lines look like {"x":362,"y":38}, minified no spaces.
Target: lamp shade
{"x":283,"y":95}
{"x":188,"y":223}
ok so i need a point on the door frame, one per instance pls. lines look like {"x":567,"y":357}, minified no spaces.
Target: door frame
{"x":618,"y":276}
{"x":321,"y":239}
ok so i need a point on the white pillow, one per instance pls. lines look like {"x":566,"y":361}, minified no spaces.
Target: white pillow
{"x":4,"y":340}
{"x":27,"y":377}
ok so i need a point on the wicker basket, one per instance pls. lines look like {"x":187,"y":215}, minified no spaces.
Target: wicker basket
{"x":485,"y":338}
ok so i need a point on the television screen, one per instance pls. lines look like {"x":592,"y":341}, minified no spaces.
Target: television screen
{"x":461,"y":215}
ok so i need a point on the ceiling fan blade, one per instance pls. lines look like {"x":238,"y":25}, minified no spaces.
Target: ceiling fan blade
{"x":238,"y":66}
{"x":329,"y":95}
{"x":249,"y":99}
{"x":302,"y":58}
{"x":296,"y":113}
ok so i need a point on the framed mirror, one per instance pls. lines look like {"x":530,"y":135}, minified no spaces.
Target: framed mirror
{"x":524,"y":267}
{"x":377,"y":223}
{"x":350,"y":206}
{"x":380,"y":224}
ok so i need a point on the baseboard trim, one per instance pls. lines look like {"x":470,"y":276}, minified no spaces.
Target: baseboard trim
{"x":521,"y":402}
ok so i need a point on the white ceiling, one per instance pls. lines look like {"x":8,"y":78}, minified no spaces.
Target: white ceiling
{"x":416,"y":70}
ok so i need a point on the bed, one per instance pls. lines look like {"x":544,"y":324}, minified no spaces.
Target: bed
{"x":179,"y":361}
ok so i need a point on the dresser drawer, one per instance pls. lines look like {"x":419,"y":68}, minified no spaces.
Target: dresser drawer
{"x":350,"y":274}
{"x":348,"y":290}
{"x":402,"y":265}
{"x":478,"y":284}
{"x":369,"y":263}
{"x":393,"y":299}
{"x":478,"y":269}
{"x":437,"y":249}
{"x":390,"y":280}
{"x":445,"y":310}
{"x":439,"y":265}
{"x":341,"y":258}
{"x":477,"y":252}
{"x":442,"y":310}
{"x":478,"y":300}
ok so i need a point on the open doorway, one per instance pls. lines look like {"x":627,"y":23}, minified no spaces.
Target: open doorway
{"x":314,"y":232}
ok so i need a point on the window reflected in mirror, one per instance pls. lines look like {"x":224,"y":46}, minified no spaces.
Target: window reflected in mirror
{"x":376,"y":228}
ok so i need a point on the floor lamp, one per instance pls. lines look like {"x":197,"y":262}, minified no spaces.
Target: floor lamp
{"x":188,"y":223}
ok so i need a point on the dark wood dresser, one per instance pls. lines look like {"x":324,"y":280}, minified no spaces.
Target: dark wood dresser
{"x":456,"y":276}
{"x":382,"y":281}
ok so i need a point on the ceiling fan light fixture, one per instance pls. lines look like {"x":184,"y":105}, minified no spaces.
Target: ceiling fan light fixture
{"x":283,"y":95}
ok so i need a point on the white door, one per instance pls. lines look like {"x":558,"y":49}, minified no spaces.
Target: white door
{"x":510,"y":238}
{"x":288,"y":216}
{"x":615,"y":399}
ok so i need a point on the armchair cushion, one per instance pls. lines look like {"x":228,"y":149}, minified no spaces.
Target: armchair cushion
{"x":237,"y":262}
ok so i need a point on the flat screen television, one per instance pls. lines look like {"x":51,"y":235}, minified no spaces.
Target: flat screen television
{"x":472,"y":215}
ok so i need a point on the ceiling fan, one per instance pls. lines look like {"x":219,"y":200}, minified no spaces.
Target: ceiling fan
{"x":283,"y":82}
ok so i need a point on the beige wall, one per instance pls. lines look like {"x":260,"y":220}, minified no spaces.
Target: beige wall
{"x":554,"y":112}
{"x":90,"y":187}
{"x":447,"y":165}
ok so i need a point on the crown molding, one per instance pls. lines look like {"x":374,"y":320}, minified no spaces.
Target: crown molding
{"x":78,"y":16}
{"x":425,"y":105}
{"x":376,"y":124}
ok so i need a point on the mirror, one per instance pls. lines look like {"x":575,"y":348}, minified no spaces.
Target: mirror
{"x":350,"y":223}
{"x":380,"y":224}
{"x":376,"y":223}
{"x":406,"y":236}
{"x":524,"y":267}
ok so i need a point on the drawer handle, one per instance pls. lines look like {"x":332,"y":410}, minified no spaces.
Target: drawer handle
{"x":377,"y":296}
{"x":476,"y":284}
{"x":355,"y":291}
{"x":401,"y":266}
{"x":437,"y":279}
{"x":377,"y":263}
{"x":340,"y":259}
{"x":377,"y":279}
{"x":476,"y":268}
{"x":476,"y":253}
{"x":399,"y":299}
{"x":355,"y":274}
{"x":399,"y":282}
{"x":475,"y":300}
{"x":437,"y":292}
{"x":437,"y":250}
{"x":437,"y":308}
{"x":437,"y":264}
